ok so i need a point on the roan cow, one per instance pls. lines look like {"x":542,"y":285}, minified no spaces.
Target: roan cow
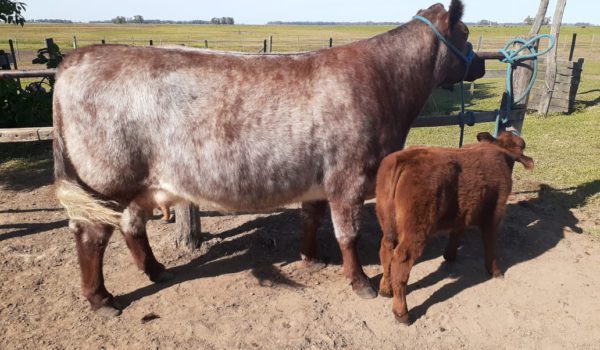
{"x":243,"y":133}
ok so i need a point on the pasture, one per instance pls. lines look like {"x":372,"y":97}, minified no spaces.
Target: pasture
{"x":244,"y":288}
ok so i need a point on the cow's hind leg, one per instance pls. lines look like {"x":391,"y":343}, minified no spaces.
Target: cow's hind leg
{"x":345,"y":217}
{"x":312,"y":216}
{"x":91,"y":240}
{"x":133,"y":226}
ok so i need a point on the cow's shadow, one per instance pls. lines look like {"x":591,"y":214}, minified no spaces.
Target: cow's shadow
{"x":264,"y":244}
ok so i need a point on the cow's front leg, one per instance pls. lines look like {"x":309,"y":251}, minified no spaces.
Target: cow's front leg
{"x":345,"y":217}
{"x":91,"y":241}
{"x":312,"y":216}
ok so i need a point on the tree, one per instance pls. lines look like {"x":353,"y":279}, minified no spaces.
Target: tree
{"x":215,"y":20}
{"x":528,"y":20}
{"x":10,"y":11}
{"x":119,"y":20}
{"x":137,"y":19}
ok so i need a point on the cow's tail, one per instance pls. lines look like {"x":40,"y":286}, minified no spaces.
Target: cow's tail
{"x":82,"y":206}
{"x":79,"y":203}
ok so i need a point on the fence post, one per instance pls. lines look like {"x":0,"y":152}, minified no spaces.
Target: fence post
{"x":151,"y":42}
{"x":330,"y":42}
{"x":206,"y":44}
{"x":271,"y":43}
{"x":187,"y":217}
{"x":103,"y":41}
{"x":265,"y":46}
{"x":573,"y":41}
{"x":12,"y":52}
{"x":50,"y":47}
{"x":74,"y":41}
{"x":592,"y":43}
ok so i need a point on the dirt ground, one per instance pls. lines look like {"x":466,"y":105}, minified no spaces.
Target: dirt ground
{"x":245,"y":288}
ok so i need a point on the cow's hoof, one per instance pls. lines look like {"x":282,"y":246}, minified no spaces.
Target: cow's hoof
{"x":364,"y":289}
{"x":109,"y":308}
{"x":162,"y":276}
{"x":312,"y":265}
{"x":403,"y":319}
{"x":108,"y":311}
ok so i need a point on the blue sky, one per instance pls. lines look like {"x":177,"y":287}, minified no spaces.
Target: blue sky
{"x":262,"y":11}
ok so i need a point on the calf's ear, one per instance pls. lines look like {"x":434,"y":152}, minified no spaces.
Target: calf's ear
{"x":526,"y":161}
{"x":485,"y":137}
{"x":455,"y":13}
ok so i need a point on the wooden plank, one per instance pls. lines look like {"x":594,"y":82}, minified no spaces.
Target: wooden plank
{"x":25,"y":134}
{"x":452,"y":119}
{"x":11,"y":74}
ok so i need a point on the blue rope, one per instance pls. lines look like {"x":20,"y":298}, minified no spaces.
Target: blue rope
{"x":467,"y":59}
{"x":513,"y":58}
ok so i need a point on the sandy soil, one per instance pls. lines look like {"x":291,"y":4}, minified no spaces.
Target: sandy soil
{"x":245,"y":289}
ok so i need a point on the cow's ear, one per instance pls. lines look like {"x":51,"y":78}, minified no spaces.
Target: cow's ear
{"x":455,"y":13}
{"x":526,"y":161}
{"x":485,"y":137}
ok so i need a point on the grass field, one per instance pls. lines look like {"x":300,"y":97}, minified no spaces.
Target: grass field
{"x":566,"y":148}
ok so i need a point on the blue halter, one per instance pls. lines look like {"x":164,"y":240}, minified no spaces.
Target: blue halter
{"x":467,"y":59}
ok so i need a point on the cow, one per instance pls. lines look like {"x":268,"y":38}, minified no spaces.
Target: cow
{"x":245,"y":132}
{"x":424,"y":190}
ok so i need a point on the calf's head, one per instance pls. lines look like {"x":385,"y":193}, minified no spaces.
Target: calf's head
{"x":451,"y":66}
{"x":515,"y":145}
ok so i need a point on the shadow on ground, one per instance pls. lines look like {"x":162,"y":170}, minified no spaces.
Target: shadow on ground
{"x":531,"y":228}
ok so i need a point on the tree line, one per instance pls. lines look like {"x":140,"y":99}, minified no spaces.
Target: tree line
{"x":139,"y":19}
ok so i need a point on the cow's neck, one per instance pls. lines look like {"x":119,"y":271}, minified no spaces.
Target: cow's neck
{"x":410,"y":54}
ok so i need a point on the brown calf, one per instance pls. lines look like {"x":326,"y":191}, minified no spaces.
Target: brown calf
{"x":423,"y":190}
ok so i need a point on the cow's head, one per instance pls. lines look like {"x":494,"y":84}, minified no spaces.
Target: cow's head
{"x":512,"y":143}
{"x":451,"y":68}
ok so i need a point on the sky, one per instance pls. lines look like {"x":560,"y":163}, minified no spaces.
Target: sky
{"x":263,"y":11}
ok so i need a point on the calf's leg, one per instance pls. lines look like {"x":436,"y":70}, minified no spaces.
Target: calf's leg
{"x":453,"y":244}
{"x":385,"y":256}
{"x":312,"y":216}
{"x":345,"y":217}
{"x":91,"y":241}
{"x":404,"y":256}
{"x":488,"y":234}
{"x":133,"y":226}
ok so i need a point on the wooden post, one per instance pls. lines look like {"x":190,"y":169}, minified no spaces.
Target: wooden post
{"x":151,"y":42}
{"x":330,"y":42}
{"x":573,"y":41}
{"x":522,"y":75}
{"x":271,"y":43}
{"x":50,"y":47}
{"x":187,"y":217}
{"x":74,"y":41}
{"x":539,"y":18}
{"x":592,"y":43}
{"x":206,"y":44}
{"x":551,"y":69}
{"x":103,"y":42}
{"x":12,"y":53}
{"x":264,"y":46}
{"x":472,"y":88}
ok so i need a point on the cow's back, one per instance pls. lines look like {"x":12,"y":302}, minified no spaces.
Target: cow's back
{"x":242,"y":131}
